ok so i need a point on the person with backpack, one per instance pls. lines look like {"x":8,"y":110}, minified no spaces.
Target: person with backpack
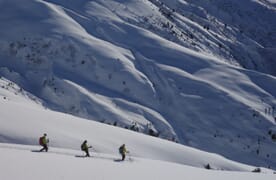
{"x":85,"y":148}
{"x":43,"y":141}
{"x":123,"y":151}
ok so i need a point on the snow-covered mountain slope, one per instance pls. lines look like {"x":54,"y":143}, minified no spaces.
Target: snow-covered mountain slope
{"x":150,"y":64}
{"x":66,"y":131}
{"x":62,"y":164}
{"x":149,"y":157}
{"x":238,"y":32}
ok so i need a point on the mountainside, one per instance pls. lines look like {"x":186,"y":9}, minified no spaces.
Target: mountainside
{"x":200,"y":73}
{"x":238,"y":32}
{"x":148,"y":157}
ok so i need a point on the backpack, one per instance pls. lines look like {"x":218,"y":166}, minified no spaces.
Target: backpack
{"x":41,"y":141}
{"x":83,"y":147}
{"x":121,"y":149}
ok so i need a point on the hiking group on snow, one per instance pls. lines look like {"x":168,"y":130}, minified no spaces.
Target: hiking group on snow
{"x":44,"y":142}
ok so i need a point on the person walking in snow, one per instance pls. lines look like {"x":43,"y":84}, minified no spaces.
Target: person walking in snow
{"x":43,"y":141}
{"x":85,"y":148}
{"x":123,"y":151}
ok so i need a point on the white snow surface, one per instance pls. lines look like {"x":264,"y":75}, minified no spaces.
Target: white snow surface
{"x":149,"y":157}
{"x":201,"y":73}
{"x":62,"y":164}
{"x":18,"y":162}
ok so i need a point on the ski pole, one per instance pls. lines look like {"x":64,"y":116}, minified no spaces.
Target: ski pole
{"x":129,"y":156}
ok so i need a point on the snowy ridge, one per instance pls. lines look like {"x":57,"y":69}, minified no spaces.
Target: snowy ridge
{"x":171,"y":72}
